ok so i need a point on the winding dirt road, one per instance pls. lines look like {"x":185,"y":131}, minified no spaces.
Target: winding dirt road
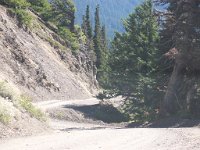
{"x":83,"y":136}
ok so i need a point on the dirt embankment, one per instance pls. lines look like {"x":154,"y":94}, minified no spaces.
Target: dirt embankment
{"x":35,"y":62}
{"x":39,"y":65}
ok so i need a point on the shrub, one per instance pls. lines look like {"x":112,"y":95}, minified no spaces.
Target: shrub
{"x":25,"y":103}
{"x":19,"y":101}
{"x":40,"y":5}
{"x":18,"y":4}
{"x":69,"y":37}
{"x":81,"y":36}
{"x":24,"y":17}
{"x":5,"y":117}
{"x":55,"y":44}
{"x":5,"y":91}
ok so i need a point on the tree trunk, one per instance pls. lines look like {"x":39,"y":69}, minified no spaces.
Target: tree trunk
{"x":190,"y":94}
{"x":170,"y":103}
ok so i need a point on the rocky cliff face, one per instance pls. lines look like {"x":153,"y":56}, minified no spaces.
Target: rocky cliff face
{"x":37,"y":62}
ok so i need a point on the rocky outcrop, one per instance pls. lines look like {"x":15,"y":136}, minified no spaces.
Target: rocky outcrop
{"x":38,"y":62}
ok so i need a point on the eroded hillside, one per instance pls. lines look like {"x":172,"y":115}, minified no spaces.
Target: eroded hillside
{"x":37,"y":61}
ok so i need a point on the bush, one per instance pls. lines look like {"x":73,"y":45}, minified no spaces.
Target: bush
{"x":19,"y":101}
{"x":18,"y":4}
{"x":69,"y":37}
{"x":24,"y":17}
{"x":25,"y":103}
{"x":5,"y":117}
{"x":5,"y":91}
{"x":40,"y":5}
{"x":81,"y":36}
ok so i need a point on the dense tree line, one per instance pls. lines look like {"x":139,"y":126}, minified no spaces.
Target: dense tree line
{"x":99,"y":40}
{"x":154,"y":63}
{"x":112,"y":11}
{"x":134,"y":61}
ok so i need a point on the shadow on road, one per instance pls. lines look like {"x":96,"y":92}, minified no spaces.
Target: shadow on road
{"x":172,"y":122}
{"x":105,"y":113}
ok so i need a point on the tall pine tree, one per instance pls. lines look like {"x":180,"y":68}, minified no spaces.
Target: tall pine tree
{"x":100,"y":47}
{"x":104,"y":67}
{"x":88,"y":23}
{"x":97,"y":37}
{"x":133,"y":61}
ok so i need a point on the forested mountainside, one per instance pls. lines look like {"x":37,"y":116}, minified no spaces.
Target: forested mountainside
{"x":111,"y":12}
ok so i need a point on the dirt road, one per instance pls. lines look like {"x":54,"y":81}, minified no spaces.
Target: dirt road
{"x":85,"y":136}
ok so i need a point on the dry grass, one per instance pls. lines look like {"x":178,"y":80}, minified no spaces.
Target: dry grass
{"x":25,"y":103}
{"x":22,"y":102}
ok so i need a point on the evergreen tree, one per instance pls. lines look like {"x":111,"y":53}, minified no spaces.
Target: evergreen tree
{"x":40,"y":5}
{"x":17,"y":4}
{"x":101,"y":50}
{"x":64,"y":13}
{"x":182,"y":93}
{"x":83,"y":25}
{"x":104,"y":67}
{"x":133,"y":61}
{"x":88,"y":24}
{"x":97,"y":38}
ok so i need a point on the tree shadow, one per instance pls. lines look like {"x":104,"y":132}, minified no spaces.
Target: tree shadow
{"x":82,"y":128}
{"x":101,"y":112}
{"x":171,"y":122}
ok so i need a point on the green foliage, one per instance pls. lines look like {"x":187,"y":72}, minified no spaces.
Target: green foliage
{"x":104,"y":68}
{"x":55,"y":44}
{"x":5,"y":91}
{"x":19,"y":7}
{"x":70,"y":37}
{"x":80,"y":34}
{"x":25,"y":103}
{"x":63,"y":13}
{"x":97,"y":37}
{"x":101,"y":50}
{"x":24,"y":17}
{"x":86,"y":25}
{"x":133,"y":61}
{"x":21,"y":101}
{"x":19,"y":4}
{"x":112,"y":11}
{"x":40,"y":5}
{"x":5,"y":117}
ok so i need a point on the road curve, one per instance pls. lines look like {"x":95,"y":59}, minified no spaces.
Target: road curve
{"x":80,"y":136}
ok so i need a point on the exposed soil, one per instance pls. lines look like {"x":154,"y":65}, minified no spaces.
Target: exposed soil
{"x":30,"y":61}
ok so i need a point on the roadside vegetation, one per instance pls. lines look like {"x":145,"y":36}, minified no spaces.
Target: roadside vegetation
{"x":153,"y":64}
{"x":5,"y":117}
{"x":22,"y":102}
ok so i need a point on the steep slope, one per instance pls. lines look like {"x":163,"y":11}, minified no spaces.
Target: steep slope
{"x":37,"y":62}
{"x":112,"y":12}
